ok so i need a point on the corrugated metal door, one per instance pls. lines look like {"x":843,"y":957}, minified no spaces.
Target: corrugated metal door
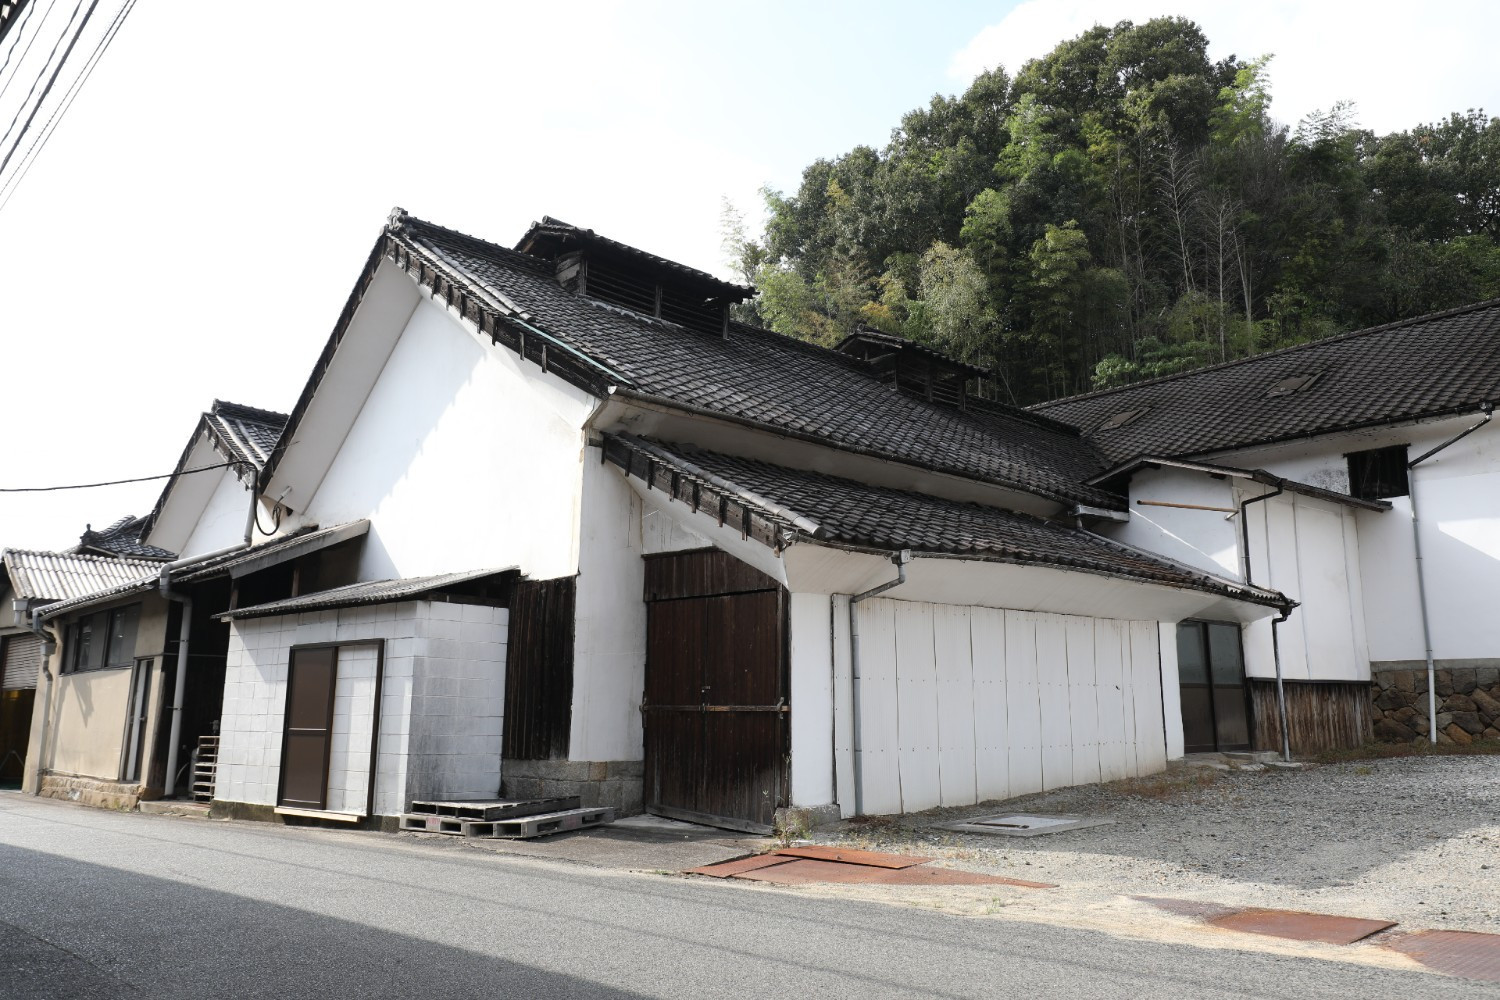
{"x":309,"y":728}
{"x":23,"y":662}
{"x":715,"y":707}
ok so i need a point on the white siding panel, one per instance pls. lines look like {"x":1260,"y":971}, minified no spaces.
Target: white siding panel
{"x":917,"y":708}
{"x":1145,"y":667}
{"x":1109,"y":662}
{"x":951,"y":645}
{"x":1053,"y":695}
{"x":991,"y":731}
{"x":1023,"y":708}
{"x":878,"y":760}
{"x":1083,"y":705}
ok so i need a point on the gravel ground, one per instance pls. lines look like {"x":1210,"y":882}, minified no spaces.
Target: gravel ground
{"x":1416,"y":840}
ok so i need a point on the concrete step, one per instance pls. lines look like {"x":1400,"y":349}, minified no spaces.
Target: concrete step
{"x":175,"y":807}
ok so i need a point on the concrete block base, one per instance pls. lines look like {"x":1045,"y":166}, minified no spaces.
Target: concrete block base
{"x":616,"y":784}
{"x":94,"y":792}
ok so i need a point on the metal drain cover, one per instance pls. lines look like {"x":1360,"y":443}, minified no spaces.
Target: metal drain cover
{"x":1023,"y":824}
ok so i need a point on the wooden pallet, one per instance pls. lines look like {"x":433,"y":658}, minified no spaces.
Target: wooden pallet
{"x":526,"y":827}
{"x":490,"y":809}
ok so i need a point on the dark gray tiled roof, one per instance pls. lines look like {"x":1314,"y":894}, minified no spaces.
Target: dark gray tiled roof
{"x":123,"y":538}
{"x":556,"y":231}
{"x":1445,"y":363}
{"x":760,"y":376}
{"x":369,"y":592}
{"x":859,"y":514}
{"x":247,"y":433}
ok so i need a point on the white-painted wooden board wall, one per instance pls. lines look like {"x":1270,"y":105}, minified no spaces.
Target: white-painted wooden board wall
{"x":966,"y":704}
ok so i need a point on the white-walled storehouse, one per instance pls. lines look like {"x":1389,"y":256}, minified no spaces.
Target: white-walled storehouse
{"x":667,"y":517}
{"x":1315,"y":455}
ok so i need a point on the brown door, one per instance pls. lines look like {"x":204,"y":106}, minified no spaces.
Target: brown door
{"x":309,"y":728}
{"x":716,"y":713}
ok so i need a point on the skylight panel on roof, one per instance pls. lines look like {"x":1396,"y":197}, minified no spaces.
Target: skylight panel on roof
{"x":1294,"y":383}
{"x":1122,"y":418}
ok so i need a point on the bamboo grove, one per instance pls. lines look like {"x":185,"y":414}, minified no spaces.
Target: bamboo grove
{"x":1124,"y":207}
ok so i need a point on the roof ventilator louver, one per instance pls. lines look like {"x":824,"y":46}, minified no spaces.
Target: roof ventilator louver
{"x":1287,"y":386}
{"x":1122,"y":418}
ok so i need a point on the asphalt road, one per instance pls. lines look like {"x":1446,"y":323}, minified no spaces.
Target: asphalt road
{"x":96,"y":904}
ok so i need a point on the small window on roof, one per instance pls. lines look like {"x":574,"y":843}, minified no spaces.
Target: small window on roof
{"x":1121,"y":419}
{"x":1287,"y":386}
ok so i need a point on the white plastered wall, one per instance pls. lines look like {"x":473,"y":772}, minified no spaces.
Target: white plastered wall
{"x":1308,"y":549}
{"x":205,"y":511}
{"x":462,"y":456}
{"x":962,"y":704}
{"x":442,"y":703}
{"x":1457,"y":493}
{"x":1206,"y":539}
{"x":222,"y":522}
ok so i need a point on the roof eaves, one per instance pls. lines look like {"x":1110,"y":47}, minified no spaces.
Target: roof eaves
{"x":1261,"y":476}
{"x":1085,"y":495}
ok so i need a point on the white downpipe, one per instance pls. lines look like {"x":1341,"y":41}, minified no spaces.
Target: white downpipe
{"x":1416,"y":537}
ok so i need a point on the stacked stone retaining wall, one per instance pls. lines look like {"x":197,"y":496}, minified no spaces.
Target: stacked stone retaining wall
{"x":1468,"y":704}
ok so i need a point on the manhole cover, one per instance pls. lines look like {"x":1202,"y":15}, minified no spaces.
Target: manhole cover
{"x":1023,"y":824}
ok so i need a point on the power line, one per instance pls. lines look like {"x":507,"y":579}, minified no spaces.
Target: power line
{"x":50,"y":81}
{"x":19,"y":30}
{"x":55,"y":119}
{"x":117,"y":482}
{"x":17,"y":44}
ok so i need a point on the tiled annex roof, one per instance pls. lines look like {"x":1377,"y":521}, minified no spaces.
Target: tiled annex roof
{"x":247,"y":433}
{"x":1444,"y":363}
{"x":761,"y":377}
{"x":243,"y":434}
{"x":59,"y":576}
{"x":368,"y":592}
{"x":123,"y":538}
{"x":831,"y":509}
{"x":306,"y":539}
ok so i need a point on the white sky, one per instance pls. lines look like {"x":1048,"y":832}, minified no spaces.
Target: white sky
{"x":194,"y":226}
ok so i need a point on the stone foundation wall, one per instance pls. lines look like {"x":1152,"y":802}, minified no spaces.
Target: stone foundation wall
{"x":91,"y":791}
{"x":1468,"y":704}
{"x":616,"y":783}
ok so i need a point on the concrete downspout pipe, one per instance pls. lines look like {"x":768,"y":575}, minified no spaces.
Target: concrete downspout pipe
{"x":900,"y":559}
{"x":1286,"y":737}
{"x":49,"y":647}
{"x":1488,"y":409}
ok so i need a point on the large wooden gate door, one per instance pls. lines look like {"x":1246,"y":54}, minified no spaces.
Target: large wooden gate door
{"x":716,"y":712}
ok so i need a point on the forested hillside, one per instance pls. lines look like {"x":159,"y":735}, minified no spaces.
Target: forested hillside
{"x":1123,"y":207}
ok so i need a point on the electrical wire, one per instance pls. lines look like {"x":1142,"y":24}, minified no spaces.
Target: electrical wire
{"x":17,"y":44}
{"x":50,"y":81}
{"x":117,"y":482}
{"x":8,"y":189}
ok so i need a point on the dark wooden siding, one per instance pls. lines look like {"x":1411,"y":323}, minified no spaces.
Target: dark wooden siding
{"x":539,"y":669}
{"x":705,"y":573}
{"x":1321,"y":715}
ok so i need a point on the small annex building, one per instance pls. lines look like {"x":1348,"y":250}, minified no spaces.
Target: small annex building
{"x":31,"y":582}
{"x":1360,"y":477}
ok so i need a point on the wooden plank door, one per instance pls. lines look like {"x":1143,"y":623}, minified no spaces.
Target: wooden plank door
{"x":716,"y":713}
{"x":308,"y":739}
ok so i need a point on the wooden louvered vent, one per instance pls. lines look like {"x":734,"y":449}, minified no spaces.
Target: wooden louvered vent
{"x":640,"y":291}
